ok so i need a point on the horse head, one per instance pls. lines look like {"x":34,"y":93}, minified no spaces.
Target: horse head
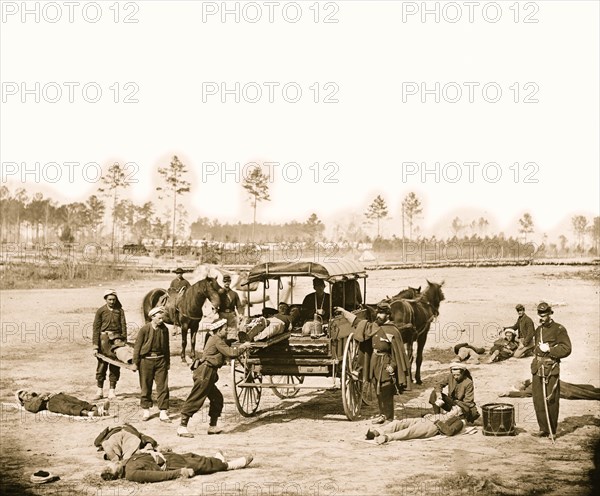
{"x":434,"y":295}
{"x":212,"y":291}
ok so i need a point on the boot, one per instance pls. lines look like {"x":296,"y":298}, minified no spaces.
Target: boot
{"x":99,"y":394}
{"x":241,"y":462}
{"x":213,"y":429}
{"x":103,"y":409}
{"x":182,"y":431}
{"x":164,"y":417}
{"x":111,"y":394}
{"x":146,"y":415}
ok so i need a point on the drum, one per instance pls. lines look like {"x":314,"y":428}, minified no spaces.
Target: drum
{"x":498,"y":419}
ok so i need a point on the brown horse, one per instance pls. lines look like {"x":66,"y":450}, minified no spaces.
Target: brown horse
{"x":186,"y":310}
{"x":413,"y":318}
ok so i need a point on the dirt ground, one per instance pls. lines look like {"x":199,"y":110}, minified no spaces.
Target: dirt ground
{"x":305,"y":445}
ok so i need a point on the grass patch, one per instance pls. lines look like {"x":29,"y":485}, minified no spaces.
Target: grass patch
{"x":62,"y":275}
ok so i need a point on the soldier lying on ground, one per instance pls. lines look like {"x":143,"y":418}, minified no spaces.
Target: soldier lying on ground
{"x":568,"y":391}
{"x":60,"y":403}
{"x":121,"y":442}
{"x":417,"y":428}
{"x":154,"y":466}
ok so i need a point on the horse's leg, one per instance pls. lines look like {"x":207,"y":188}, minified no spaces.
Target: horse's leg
{"x":184,"y":331}
{"x":409,"y":355}
{"x":193,"y":327}
{"x":421,"y":340}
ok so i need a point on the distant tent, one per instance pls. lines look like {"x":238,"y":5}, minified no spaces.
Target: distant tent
{"x":367,"y":256}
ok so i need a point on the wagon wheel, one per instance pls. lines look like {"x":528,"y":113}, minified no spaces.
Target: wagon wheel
{"x":287,"y":389}
{"x":246,"y":398}
{"x":369,"y":396}
{"x":351,"y":384}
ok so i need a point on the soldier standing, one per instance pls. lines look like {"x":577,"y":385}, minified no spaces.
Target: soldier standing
{"x":109,"y":323}
{"x":551,"y":344}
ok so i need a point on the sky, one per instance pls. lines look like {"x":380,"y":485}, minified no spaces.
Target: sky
{"x":479,"y":110}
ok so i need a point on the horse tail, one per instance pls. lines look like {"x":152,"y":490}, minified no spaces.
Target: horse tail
{"x":150,"y":301}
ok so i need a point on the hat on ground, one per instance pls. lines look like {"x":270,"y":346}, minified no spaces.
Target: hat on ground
{"x":42,"y":477}
{"x":109,"y":292}
{"x":226,"y":278}
{"x":18,"y":396}
{"x":519,"y":307}
{"x":544,"y":309}
{"x":178,"y":270}
{"x":156,"y":310}
{"x":460,"y":366}
{"x":218,"y":324}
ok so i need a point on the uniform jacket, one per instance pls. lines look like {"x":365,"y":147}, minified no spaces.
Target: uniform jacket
{"x":108,"y":320}
{"x":177,"y":284}
{"x":37,"y":402}
{"x":560,"y":347}
{"x":309,"y":306}
{"x":149,"y":467}
{"x":230,"y":300}
{"x":144,"y":342}
{"x":389,"y":348}
{"x":461,"y":393}
{"x":526,"y":329}
{"x":216,"y":350}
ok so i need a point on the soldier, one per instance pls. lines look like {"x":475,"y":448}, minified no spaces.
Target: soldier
{"x":205,"y":379}
{"x":389,"y":369}
{"x":110,"y":323}
{"x":231,"y":308}
{"x":152,"y":357}
{"x":526,"y":330}
{"x":551,"y":344}
{"x":460,"y":400}
{"x":179,"y":282}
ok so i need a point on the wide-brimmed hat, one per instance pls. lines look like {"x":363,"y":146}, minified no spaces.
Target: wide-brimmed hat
{"x":178,"y":270}
{"x":156,"y":310}
{"x":544,"y":309}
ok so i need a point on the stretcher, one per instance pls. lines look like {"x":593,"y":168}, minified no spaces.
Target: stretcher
{"x":112,"y":361}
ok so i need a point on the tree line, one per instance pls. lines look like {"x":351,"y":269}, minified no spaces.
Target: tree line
{"x":41,"y":220}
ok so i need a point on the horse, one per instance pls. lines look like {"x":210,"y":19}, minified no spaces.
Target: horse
{"x":413,"y":318}
{"x":186,"y":309}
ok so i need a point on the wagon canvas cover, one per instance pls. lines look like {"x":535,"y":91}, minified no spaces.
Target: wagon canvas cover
{"x":333,"y":271}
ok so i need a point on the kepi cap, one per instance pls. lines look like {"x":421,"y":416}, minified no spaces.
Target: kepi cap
{"x":519,"y":307}
{"x":544,"y":309}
